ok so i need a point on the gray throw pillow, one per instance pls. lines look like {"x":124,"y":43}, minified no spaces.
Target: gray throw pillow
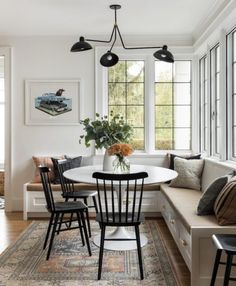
{"x":75,"y":162}
{"x":189,"y":173}
{"x":207,"y":201}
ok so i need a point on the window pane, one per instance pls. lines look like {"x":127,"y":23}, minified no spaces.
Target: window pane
{"x":2,"y":132}
{"x":234,"y":141}
{"x":163,"y":116}
{"x":217,"y":113}
{"x":173,"y":103}
{"x":182,"y":138}
{"x":234,"y":109}
{"x":205,"y":93}
{"x":117,"y":110}
{"x":218,"y":140}
{"x":126,"y":96}
{"x":135,"y":71}
{"x":217,"y":85}
{"x":217,"y":59}
{"x":205,"y":138}
{"x":163,"y":71}
{"x":164,"y":139}
{"x":135,"y":116}
{"x":117,"y":72}
{"x":163,"y":93}
{"x":205,"y":68}
{"x":116,"y":93}
{"x":182,"y":71}
{"x":205,"y":115}
{"x":135,"y":93}
{"x":2,"y":96}
{"x":182,"y":93}
{"x":182,"y":116}
{"x":234,"y":78}
{"x":138,"y":139}
{"x":234,"y":46}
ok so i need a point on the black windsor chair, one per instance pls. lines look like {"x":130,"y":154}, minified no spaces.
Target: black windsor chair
{"x":121,"y":210}
{"x":226,"y":243}
{"x":69,"y":190}
{"x":59,"y":209}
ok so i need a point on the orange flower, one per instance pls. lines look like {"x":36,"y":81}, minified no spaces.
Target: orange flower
{"x":120,"y":149}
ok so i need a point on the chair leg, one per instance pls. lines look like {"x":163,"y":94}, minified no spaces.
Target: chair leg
{"x":86,"y":233}
{"x":52,"y":235}
{"x":228,"y":269}
{"x":48,"y":231}
{"x":87,"y":217}
{"x":215,"y":268}
{"x":60,"y":223}
{"x":102,"y":239}
{"x":95,"y":204}
{"x":139,"y":251}
{"x":80,"y":228}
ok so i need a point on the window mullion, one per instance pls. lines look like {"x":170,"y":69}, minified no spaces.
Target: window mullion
{"x":150,"y":105}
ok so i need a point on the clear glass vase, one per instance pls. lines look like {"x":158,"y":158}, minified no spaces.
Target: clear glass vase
{"x":121,"y":165}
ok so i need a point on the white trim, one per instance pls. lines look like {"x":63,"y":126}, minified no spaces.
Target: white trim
{"x":7,"y":53}
{"x":223,"y":96}
{"x":221,"y":16}
{"x":229,"y":98}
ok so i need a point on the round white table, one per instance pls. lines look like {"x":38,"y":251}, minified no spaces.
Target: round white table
{"x":155,"y":175}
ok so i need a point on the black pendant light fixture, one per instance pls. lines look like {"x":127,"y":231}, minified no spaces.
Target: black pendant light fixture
{"x":109,"y":59}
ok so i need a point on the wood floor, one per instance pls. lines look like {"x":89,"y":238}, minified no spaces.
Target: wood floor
{"x":12,"y":224}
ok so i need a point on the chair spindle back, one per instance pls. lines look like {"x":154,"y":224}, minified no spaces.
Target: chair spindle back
{"x":44,"y":173}
{"x":120,"y":196}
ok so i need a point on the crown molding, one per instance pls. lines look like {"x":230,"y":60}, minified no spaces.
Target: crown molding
{"x":214,"y":19}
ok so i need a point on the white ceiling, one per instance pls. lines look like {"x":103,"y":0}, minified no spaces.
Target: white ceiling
{"x":94,"y":17}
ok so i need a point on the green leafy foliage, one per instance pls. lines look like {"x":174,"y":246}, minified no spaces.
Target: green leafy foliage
{"x":106,"y":132}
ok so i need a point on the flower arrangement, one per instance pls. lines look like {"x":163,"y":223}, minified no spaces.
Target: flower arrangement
{"x":120,"y":150}
{"x":106,"y":133}
{"x":121,"y":164}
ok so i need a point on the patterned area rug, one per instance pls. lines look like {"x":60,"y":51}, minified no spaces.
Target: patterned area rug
{"x":24,"y":262}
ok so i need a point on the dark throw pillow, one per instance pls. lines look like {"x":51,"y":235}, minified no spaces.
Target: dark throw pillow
{"x":74,"y":161}
{"x":207,"y":201}
{"x":173,"y":156}
{"x":56,"y":172}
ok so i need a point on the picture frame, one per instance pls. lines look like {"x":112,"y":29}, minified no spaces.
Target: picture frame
{"x":52,"y":102}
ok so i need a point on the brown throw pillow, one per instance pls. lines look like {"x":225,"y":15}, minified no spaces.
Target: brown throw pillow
{"x":225,"y":203}
{"x":43,"y":161}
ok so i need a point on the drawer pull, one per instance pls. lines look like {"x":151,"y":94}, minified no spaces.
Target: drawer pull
{"x":184,"y":242}
{"x":172,"y":221}
{"x":164,"y":207}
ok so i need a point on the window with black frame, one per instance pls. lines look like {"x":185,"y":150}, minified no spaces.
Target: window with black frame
{"x":173,"y":105}
{"x":203,"y":103}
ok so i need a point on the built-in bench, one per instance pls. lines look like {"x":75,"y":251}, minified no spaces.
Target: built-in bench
{"x":34,"y":200}
{"x":193,"y":233}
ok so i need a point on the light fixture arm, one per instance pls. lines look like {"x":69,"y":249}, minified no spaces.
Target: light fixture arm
{"x":103,"y":41}
{"x":109,"y":59}
{"x":114,"y":33}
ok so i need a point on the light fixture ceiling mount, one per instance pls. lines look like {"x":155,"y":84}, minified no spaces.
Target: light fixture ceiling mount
{"x":110,"y":59}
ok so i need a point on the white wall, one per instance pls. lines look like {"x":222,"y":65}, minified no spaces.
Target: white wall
{"x":44,"y":58}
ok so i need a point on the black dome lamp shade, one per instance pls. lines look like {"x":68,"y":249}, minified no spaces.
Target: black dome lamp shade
{"x":81,"y":46}
{"x":109,"y":59}
{"x":164,"y":55}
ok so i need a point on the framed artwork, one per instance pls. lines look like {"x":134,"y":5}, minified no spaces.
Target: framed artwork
{"x":52,"y":102}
